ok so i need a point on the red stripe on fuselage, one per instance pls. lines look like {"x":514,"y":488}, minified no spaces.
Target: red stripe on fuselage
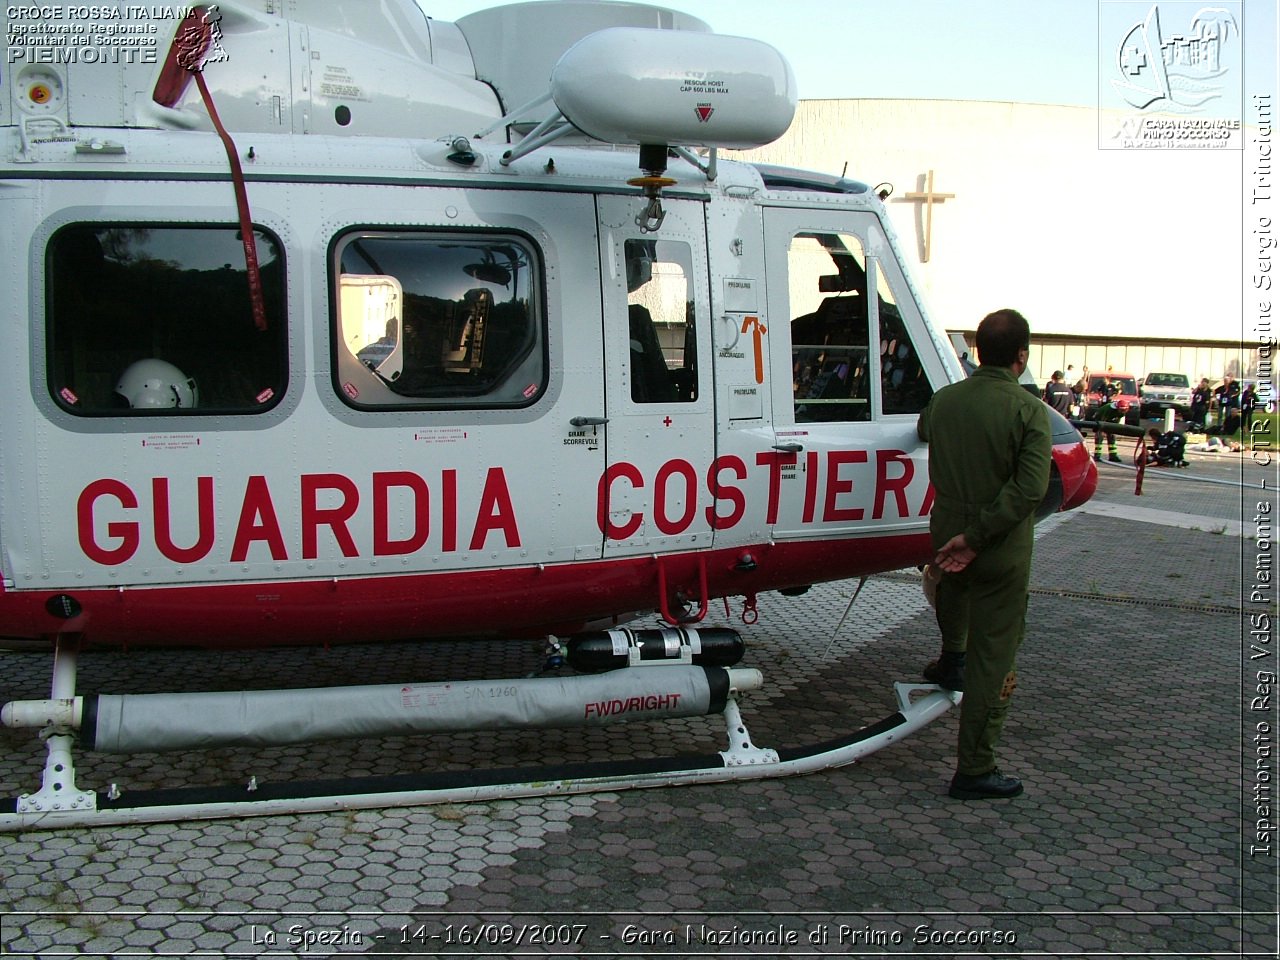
{"x":514,"y":602}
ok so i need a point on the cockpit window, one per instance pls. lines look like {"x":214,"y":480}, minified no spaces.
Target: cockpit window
{"x":838,"y":362}
{"x":830,"y":343}
{"x":432,"y":321}
{"x":904,"y":388}
{"x":157,"y":320}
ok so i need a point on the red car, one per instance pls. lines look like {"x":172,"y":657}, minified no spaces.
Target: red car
{"x":1120,"y":388}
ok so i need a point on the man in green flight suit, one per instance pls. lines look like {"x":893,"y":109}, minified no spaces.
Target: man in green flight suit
{"x":989,"y":455}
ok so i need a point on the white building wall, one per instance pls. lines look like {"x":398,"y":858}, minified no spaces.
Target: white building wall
{"x":1083,"y":241}
{"x":1194,"y":361}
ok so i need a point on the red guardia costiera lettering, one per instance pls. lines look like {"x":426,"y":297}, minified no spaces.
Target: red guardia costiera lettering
{"x":682,"y":476}
{"x":110,"y":513}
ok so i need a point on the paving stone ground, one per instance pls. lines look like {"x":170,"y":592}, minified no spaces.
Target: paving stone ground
{"x":1132,"y":728}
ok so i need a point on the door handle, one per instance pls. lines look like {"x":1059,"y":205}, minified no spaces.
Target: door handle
{"x":589,"y":421}
{"x":732,"y":323}
{"x":788,"y":447}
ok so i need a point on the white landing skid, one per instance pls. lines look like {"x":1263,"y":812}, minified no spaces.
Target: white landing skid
{"x":60,"y":804}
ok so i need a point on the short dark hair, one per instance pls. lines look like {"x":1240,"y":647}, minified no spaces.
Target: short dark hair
{"x":1000,"y":336}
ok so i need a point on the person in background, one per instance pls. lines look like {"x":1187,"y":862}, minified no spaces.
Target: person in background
{"x":1081,"y":387}
{"x":1057,"y":394}
{"x":1200,"y":398}
{"x":1248,"y":404}
{"x":1106,"y":413}
{"x":1073,"y":384}
{"x":1227,"y":397}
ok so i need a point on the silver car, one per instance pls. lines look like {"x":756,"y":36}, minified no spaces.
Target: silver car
{"x":1162,"y":391}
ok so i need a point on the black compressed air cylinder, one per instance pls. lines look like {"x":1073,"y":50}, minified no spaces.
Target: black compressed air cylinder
{"x":610,"y":649}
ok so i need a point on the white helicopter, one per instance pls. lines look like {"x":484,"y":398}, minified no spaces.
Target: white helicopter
{"x":344,"y":324}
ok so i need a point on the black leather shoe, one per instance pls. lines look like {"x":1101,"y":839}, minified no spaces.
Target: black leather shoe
{"x":947,"y":671}
{"x":984,"y":786}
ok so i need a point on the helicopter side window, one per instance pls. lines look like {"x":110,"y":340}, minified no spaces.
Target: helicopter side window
{"x":156,"y":319}
{"x":434,"y":321}
{"x":830,"y":343}
{"x":661,"y":322}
